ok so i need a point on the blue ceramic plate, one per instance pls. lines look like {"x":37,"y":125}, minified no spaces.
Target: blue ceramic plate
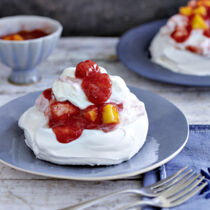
{"x":133,"y":51}
{"x":168,"y":133}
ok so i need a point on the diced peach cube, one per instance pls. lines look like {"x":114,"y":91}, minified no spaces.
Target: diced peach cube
{"x":17,"y":37}
{"x":91,"y":115}
{"x":198,"y":23}
{"x":110,"y":114}
{"x":201,"y":10}
{"x":187,"y":11}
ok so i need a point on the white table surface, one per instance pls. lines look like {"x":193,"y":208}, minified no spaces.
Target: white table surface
{"x":20,"y":190}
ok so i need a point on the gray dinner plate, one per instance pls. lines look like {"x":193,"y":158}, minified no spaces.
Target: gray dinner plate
{"x":167,"y":135}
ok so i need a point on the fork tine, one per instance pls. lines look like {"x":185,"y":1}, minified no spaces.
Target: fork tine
{"x":189,"y":195}
{"x":167,"y":185}
{"x":180,"y":186}
{"x":187,"y":190}
{"x":164,"y":181}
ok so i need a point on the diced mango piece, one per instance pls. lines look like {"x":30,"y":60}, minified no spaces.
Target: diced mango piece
{"x":187,"y":11}
{"x":15,"y":37}
{"x":201,"y":10}
{"x":198,"y":23}
{"x":204,"y":3}
{"x":91,"y":115}
{"x":110,"y":114}
{"x":18,"y":37}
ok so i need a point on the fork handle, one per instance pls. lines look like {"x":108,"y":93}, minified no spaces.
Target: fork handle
{"x":89,"y":203}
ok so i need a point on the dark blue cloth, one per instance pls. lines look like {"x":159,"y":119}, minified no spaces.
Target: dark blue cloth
{"x":196,"y":155}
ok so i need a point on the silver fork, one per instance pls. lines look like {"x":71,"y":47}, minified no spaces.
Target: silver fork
{"x":153,"y":190}
{"x":175,"y":195}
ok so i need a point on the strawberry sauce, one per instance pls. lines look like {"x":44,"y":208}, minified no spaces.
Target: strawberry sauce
{"x":207,"y":33}
{"x":68,"y":121}
{"x":25,"y":35}
{"x":181,"y":34}
{"x":48,"y":94}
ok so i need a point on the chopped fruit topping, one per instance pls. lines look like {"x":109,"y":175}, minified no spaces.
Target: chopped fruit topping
{"x":60,"y":108}
{"x":201,"y":10}
{"x":67,"y":133}
{"x":68,"y":121}
{"x":204,"y":3}
{"x":92,"y":114}
{"x":61,"y":112}
{"x":48,"y":94}
{"x":110,"y":114}
{"x":181,"y":34}
{"x":97,"y":88}
{"x":194,"y":49}
{"x":187,"y":11}
{"x":86,"y":68}
{"x":198,"y":23}
{"x":14,"y":37}
{"x":207,"y":33}
{"x":197,"y":14}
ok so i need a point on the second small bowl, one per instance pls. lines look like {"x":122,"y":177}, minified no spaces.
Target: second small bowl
{"x":23,"y":56}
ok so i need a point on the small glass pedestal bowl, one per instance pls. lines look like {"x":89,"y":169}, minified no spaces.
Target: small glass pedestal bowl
{"x":24,"y":56}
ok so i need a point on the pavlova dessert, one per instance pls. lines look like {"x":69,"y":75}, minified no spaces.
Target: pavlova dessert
{"x":183,"y":44}
{"x":88,"y":117}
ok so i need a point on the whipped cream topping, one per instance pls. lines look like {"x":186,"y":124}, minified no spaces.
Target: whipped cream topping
{"x":166,"y":52}
{"x":67,"y":87}
{"x":93,"y":147}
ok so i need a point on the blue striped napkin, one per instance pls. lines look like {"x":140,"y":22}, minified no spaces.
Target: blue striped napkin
{"x":196,"y":155}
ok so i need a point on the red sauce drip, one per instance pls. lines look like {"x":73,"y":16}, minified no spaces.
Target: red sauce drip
{"x":48,"y":94}
{"x":194,"y":49}
{"x":67,"y":120}
{"x":67,"y":133}
{"x":26,"y":35}
{"x":181,"y":34}
{"x":208,"y":12}
{"x":207,"y":33}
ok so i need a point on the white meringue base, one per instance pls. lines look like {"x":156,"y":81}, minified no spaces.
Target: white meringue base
{"x":93,"y":147}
